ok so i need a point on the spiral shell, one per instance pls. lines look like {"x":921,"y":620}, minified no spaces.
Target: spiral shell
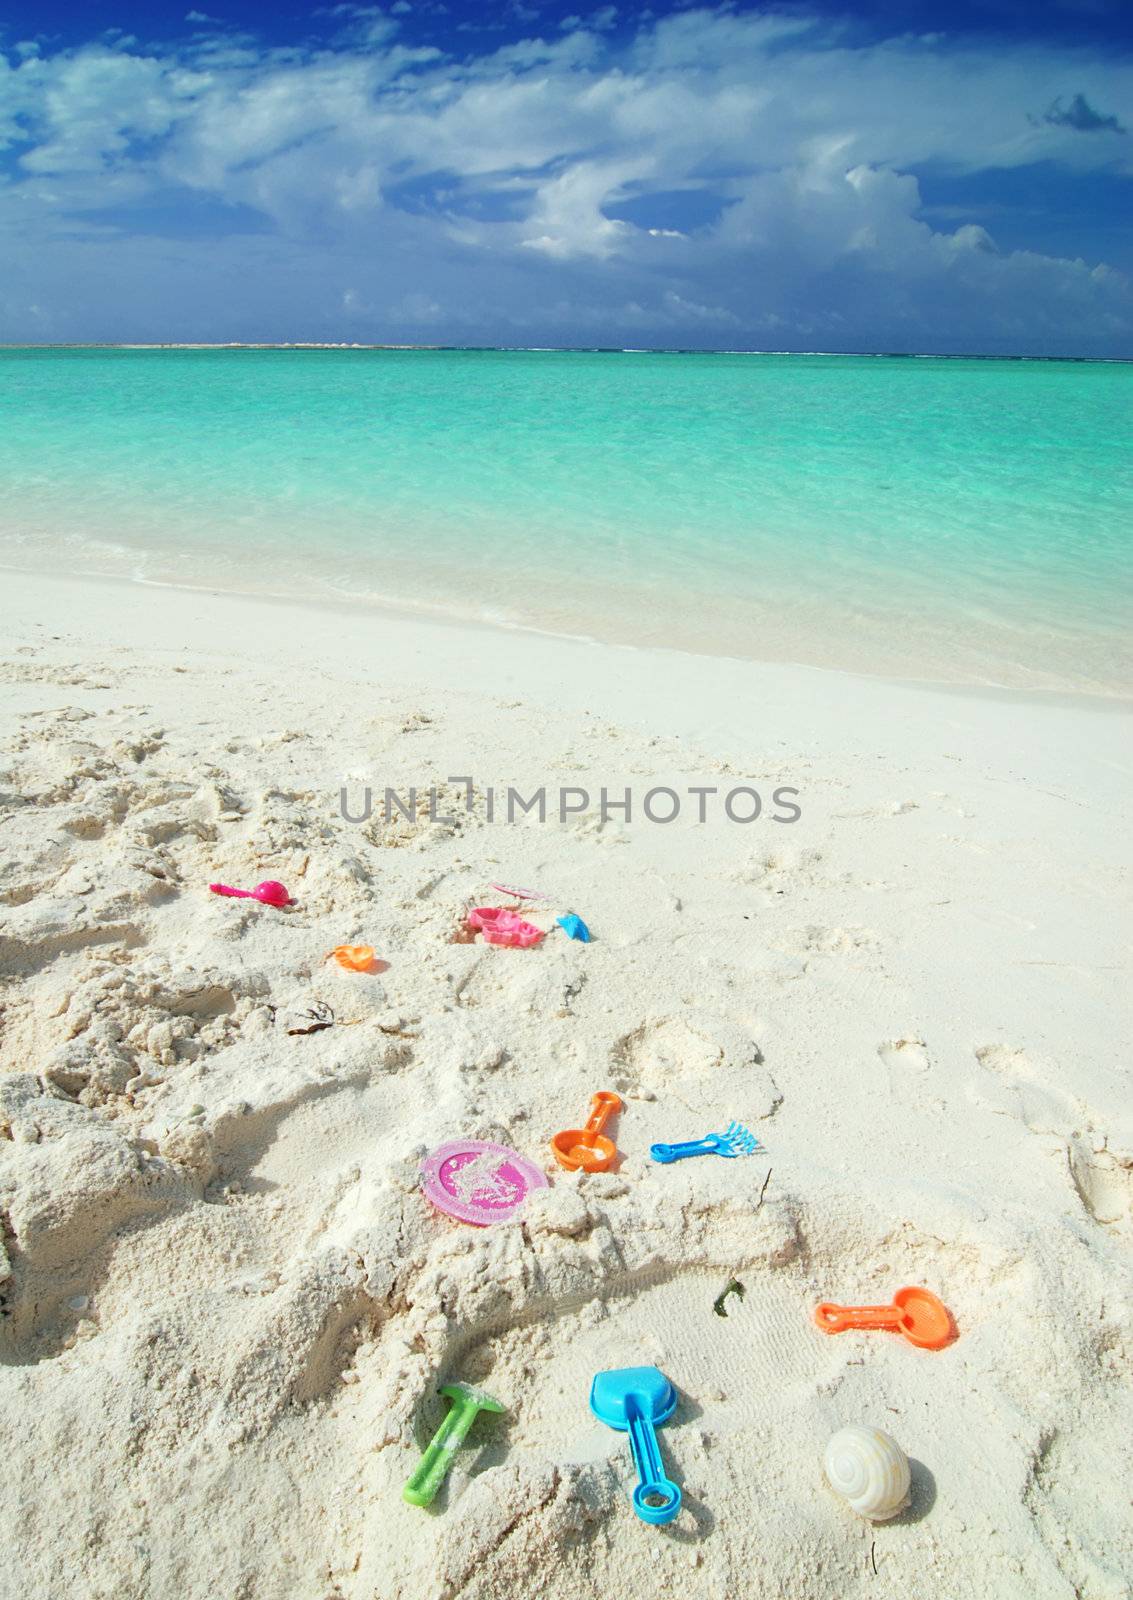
{"x":869,"y":1470}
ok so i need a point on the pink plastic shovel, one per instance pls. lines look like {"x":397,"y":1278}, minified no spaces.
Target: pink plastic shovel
{"x":268,"y":893}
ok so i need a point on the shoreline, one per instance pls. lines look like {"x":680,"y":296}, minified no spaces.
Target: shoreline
{"x":943,"y":525}
{"x":382,"y":609}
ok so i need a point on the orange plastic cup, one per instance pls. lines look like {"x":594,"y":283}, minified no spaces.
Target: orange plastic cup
{"x":586,"y":1147}
{"x":915,"y":1313}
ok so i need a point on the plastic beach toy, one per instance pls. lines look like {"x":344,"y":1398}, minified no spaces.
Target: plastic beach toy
{"x":585,"y":1147}
{"x":916,"y":1313}
{"x":268,"y":893}
{"x":354,"y":957}
{"x":736,"y":1140}
{"x":515,"y":892}
{"x":433,"y":1467}
{"x":574,"y":927}
{"x":479,"y":1182}
{"x":501,"y":926}
{"x":637,"y":1400}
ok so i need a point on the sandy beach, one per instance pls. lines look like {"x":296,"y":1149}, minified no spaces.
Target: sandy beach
{"x":227,"y":1305}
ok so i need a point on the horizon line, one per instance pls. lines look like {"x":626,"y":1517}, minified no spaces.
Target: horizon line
{"x":566,"y":349}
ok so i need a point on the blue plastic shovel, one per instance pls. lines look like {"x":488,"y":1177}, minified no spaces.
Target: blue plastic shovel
{"x":635,"y":1400}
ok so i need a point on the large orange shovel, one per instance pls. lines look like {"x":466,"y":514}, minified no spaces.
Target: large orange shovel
{"x":916,"y":1313}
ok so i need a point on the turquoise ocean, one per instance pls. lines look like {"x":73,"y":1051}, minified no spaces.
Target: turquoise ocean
{"x":960,"y":520}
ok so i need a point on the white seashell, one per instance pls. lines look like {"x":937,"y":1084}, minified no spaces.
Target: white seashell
{"x":869,"y":1470}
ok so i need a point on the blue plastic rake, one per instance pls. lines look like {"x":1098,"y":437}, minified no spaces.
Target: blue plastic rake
{"x":736,"y":1140}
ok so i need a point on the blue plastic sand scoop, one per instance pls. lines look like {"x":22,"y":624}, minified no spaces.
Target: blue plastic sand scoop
{"x":635,"y":1400}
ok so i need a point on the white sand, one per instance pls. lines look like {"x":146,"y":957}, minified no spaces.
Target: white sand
{"x":228,"y":1306}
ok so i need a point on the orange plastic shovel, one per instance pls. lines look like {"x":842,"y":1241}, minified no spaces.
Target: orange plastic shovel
{"x":916,"y":1313}
{"x":585,"y":1147}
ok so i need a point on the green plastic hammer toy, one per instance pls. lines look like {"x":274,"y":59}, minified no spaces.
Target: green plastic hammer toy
{"x":433,"y":1467}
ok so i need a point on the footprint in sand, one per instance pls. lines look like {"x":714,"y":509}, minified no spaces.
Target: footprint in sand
{"x":1014,"y":1087}
{"x":909,"y":1054}
{"x":817,"y":940}
{"x":669,"y":1050}
{"x":1102,"y":1177}
{"x":1104,"y":1181}
{"x":1090,"y":1553}
{"x":783,"y":870}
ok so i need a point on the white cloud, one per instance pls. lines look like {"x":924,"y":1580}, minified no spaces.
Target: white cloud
{"x":684,"y":310}
{"x":504,"y":179}
{"x":568,"y":208}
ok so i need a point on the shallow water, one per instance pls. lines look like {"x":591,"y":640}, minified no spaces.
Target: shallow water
{"x":961,"y":520}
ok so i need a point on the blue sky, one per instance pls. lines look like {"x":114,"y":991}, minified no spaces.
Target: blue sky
{"x":900,"y":175}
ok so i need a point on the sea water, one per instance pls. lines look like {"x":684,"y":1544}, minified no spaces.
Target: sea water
{"x":959,"y":520}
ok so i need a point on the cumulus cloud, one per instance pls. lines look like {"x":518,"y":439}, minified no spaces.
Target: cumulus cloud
{"x":709,"y":178}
